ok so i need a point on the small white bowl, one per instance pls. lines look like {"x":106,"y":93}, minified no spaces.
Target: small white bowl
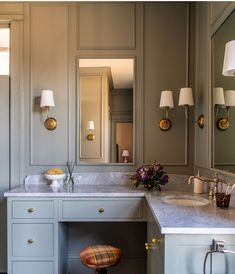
{"x":55,"y":178}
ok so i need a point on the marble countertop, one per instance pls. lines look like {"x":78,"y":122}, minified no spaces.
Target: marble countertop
{"x":172,"y":219}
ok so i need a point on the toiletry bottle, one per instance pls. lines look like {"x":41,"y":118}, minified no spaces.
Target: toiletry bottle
{"x":198,"y":185}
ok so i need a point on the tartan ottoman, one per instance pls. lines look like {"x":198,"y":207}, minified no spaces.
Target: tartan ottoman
{"x":100,"y":257}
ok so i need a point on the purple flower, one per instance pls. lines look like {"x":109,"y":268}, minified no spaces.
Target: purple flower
{"x":151,"y":177}
{"x":165,"y":179}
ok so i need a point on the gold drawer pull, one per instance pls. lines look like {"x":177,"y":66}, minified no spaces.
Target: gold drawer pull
{"x":30,"y":241}
{"x":152,"y":245}
{"x":101,"y":210}
{"x":30,"y":210}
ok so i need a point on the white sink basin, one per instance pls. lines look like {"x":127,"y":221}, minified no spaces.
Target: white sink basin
{"x":185,"y":200}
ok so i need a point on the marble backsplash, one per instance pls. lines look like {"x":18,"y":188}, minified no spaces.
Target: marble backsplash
{"x":176,"y":181}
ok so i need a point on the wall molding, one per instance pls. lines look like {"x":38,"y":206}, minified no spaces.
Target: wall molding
{"x":132,"y":46}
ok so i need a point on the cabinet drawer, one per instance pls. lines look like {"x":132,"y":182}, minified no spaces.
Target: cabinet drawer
{"x":32,"y":240}
{"x":32,"y":267}
{"x":102,"y":209}
{"x":32,"y":209}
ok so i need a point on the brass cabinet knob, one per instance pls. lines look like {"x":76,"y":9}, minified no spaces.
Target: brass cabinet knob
{"x":30,"y":241}
{"x":152,"y":245}
{"x":101,"y":210}
{"x":30,"y":210}
{"x":155,"y":241}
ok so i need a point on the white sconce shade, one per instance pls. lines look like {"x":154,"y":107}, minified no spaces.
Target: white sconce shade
{"x":219,"y":96}
{"x":186,"y":97}
{"x":166,"y":99}
{"x":90,"y":125}
{"x":125,"y":153}
{"x":229,"y":59}
{"x":47,"y":99}
{"x":229,"y":96}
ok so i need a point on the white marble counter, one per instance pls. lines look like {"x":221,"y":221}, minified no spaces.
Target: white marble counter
{"x":172,"y":219}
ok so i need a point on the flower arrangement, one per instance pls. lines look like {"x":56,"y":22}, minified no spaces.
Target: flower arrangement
{"x":150,"y":177}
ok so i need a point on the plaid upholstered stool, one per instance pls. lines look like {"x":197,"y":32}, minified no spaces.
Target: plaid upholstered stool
{"x":100,"y":257}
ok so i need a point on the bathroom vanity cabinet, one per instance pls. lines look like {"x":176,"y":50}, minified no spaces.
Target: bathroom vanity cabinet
{"x":185,"y":253}
{"x":37,"y":228}
{"x":38,"y":231}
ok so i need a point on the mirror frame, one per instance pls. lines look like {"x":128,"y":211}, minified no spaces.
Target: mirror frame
{"x":220,"y":21}
{"x":77,"y":156}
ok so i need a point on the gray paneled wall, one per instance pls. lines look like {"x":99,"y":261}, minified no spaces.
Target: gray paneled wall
{"x":202,"y":146}
{"x":49,"y":70}
{"x":106,"y":26}
{"x":57,"y":34}
{"x":166,"y":68}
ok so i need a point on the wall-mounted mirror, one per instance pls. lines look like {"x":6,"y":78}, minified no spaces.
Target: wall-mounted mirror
{"x":223,"y":87}
{"x":105,"y":98}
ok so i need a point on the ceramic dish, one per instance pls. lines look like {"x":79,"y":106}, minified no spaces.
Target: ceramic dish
{"x":55,"y":178}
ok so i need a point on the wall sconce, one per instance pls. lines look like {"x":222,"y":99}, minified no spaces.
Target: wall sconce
{"x":166,"y":102}
{"x":90,"y":128}
{"x":47,"y":101}
{"x":125,"y":154}
{"x":229,"y":59}
{"x":186,"y":99}
{"x":229,"y":97}
{"x":218,"y":99}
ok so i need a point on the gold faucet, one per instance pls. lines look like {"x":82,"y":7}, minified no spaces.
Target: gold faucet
{"x":214,"y":184}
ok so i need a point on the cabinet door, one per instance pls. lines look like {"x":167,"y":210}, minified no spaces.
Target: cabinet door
{"x":185,"y":254}
{"x":32,"y":267}
{"x":155,"y":256}
{"x":32,"y":240}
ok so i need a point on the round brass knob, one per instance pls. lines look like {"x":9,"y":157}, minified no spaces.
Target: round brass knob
{"x":30,"y":210}
{"x":147,"y":246}
{"x":152,"y":245}
{"x":30,"y":241}
{"x":101,"y":210}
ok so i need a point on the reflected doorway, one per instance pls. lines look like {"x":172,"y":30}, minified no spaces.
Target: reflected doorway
{"x":124,"y":137}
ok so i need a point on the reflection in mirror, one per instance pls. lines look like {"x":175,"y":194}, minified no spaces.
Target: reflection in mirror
{"x":223,"y":100}
{"x":106,"y":110}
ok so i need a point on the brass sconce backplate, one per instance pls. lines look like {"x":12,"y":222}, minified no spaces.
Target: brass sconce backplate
{"x":165,"y":124}
{"x":201,"y":121}
{"x":91,"y":137}
{"x":50,"y":123}
{"x":222,"y":123}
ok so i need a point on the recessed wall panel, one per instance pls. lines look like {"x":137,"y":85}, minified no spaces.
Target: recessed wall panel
{"x":166,"y":68}
{"x":49,"y":70}
{"x":106,"y":26}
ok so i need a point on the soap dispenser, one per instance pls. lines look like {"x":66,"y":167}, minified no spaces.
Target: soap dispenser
{"x":198,"y":184}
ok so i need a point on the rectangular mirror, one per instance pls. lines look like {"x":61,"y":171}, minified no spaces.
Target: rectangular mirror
{"x":223,"y":107}
{"x":106,"y":96}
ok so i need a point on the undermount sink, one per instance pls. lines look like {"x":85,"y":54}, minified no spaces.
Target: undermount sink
{"x":185,"y":200}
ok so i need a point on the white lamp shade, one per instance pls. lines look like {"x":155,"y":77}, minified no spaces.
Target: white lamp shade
{"x":229,"y":59}
{"x":219,"y":96}
{"x":90,"y":125}
{"x":229,"y":96}
{"x":47,"y":99}
{"x":125,"y":153}
{"x":166,"y":99}
{"x":186,"y":97}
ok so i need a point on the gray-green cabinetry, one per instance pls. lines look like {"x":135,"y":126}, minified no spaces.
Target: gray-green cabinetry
{"x":155,"y":255}
{"x":185,"y":253}
{"x":31,"y":236}
{"x":38,"y":234}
